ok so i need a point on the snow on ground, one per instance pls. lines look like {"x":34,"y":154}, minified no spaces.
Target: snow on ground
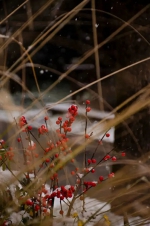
{"x":36,"y":118}
{"x":102,"y":209}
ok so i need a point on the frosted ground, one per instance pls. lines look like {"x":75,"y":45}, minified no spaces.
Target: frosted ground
{"x":92,"y":205}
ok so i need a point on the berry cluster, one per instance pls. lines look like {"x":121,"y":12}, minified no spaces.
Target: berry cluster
{"x":89,"y":184}
{"x":43,"y":129}
{"x":73,"y":111}
{"x":42,"y":202}
{"x":7,"y":153}
{"x":24,"y":125}
{"x":44,"y":199}
{"x":22,"y":121}
{"x":64,"y":192}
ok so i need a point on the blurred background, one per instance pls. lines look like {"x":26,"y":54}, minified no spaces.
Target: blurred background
{"x":94,"y":22}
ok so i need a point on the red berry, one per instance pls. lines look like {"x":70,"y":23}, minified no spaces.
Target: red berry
{"x":37,"y":207}
{"x":36,"y":155}
{"x":69,"y":195}
{"x":89,"y":161}
{"x":29,"y":127}
{"x":93,"y":184}
{"x":85,"y":183}
{"x":53,"y":194}
{"x":123,"y":154}
{"x":46,"y":118}
{"x":74,"y":107}
{"x":77,"y":169}
{"x":66,"y":122}
{"x":61,"y":197}
{"x":55,"y":175}
{"x":114,"y":158}
{"x":51,"y":165}
{"x":101,"y":178}
{"x":21,"y":124}
{"x":93,"y":171}
{"x":111,"y":175}
{"x":47,"y":150}
{"x":63,"y":188}
{"x":58,"y":143}
{"x":61,"y":212}
{"x":88,"y":109}
{"x":87,"y":102}
{"x":5,"y":223}
{"x":72,"y":188}
{"x":22,"y":118}
{"x":40,"y":131}
{"x":69,"y":129}
{"x":52,"y":146}
{"x":29,"y":202}
{"x":44,"y":210}
{"x":57,"y":122}
{"x":73,"y":173}
{"x":86,"y":170}
{"x":107,"y":135}
{"x":71,"y":119}
{"x":59,"y":118}
{"x":2,"y":142}
{"x":93,"y":160}
{"x":87,"y":136}
{"x":47,"y":197}
{"x":10,"y":148}
{"x":47,"y":160}
{"x":107,"y":157}
{"x":19,"y":139}
{"x":56,"y":155}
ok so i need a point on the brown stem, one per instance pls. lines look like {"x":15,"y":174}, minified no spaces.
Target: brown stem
{"x":85,"y":138}
{"x":12,"y":173}
{"x":72,"y":201}
{"x":24,"y":156}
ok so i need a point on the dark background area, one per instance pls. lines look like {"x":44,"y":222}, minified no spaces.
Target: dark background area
{"x":75,"y":39}
{"x":72,"y":42}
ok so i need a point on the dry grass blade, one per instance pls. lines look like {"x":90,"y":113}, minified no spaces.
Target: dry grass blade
{"x":97,"y":61}
{"x":6,"y":18}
